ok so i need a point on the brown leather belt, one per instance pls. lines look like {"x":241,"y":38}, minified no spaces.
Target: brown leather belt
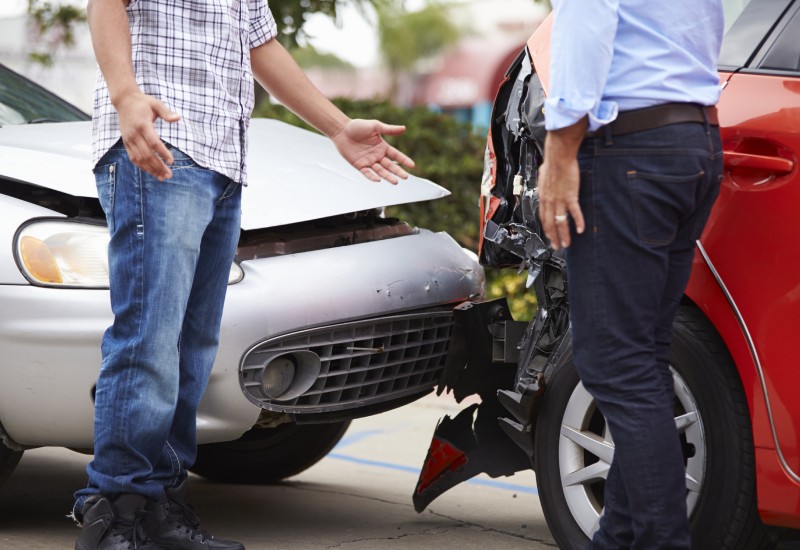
{"x":648,"y":118}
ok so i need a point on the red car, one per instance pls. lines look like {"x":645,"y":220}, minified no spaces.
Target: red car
{"x":736,"y":338}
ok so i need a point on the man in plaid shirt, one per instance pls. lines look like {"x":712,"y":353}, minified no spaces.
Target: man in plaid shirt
{"x":171,"y":111}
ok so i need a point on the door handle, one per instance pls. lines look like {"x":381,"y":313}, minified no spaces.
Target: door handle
{"x":777,"y":165}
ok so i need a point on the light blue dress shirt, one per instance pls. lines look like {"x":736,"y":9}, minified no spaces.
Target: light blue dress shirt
{"x":609,"y":56}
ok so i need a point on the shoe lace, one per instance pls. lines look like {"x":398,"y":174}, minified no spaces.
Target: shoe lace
{"x":131,"y":532}
{"x":186,"y":518}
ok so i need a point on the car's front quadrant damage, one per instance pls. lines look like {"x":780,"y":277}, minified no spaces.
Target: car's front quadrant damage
{"x":505,"y":362}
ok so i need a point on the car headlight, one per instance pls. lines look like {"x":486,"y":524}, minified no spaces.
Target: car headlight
{"x":70,"y":254}
{"x":236,"y":274}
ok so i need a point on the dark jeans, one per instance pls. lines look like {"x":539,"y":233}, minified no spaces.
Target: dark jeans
{"x":646,"y":197}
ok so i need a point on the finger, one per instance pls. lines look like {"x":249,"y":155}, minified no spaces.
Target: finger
{"x":551,"y":232}
{"x":562,"y":227}
{"x":384,"y":173}
{"x":158,"y":147}
{"x":389,"y":129}
{"x":398,"y":171}
{"x":136,"y":152}
{"x":153,"y":163}
{"x":394,"y":168}
{"x":370,"y":175}
{"x":399,"y":156}
{"x":162,"y":111}
{"x":577,"y":217}
{"x":143,"y":156}
{"x":165,"y":172}
{"x":156,"y":155}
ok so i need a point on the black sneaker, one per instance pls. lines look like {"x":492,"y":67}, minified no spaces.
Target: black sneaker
{"x":176,"y":526}
{"x":114,"y":523}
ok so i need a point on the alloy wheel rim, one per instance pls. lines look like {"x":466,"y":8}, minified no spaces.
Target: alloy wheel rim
{"x":586,"y":448}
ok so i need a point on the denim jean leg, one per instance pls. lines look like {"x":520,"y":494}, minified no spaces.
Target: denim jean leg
{"x":643,"y":190}
{"x":156,"y":234}
{"x":616,"y":517}
{"x":613,"y":301}
{"x":200,"y":334}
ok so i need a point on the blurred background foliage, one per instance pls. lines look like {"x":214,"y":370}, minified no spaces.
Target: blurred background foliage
{"x":54,"y":23}
{"x":405,"y":38}
{"x":308,"y":56}
{"x":449,"y":153}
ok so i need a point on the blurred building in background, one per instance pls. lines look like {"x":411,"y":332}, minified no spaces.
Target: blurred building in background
{"x":465,"y":83}
{"x":461,"y":81}
{"x":465,"y":80}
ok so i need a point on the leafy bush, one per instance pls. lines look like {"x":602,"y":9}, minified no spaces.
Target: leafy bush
{"x":449,"y":153}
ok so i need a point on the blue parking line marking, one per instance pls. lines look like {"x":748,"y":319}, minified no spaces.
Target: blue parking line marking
{"x":375,"y":463}
{"x":504,"y":485}
{"x":415,"y":471}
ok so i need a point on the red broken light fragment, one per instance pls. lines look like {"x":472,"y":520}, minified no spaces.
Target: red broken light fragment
{"x":442,"y":457}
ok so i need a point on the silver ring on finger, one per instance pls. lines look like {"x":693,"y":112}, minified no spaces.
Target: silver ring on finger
{"x":560,"y":218}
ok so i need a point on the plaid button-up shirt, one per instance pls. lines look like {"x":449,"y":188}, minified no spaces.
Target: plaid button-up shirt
{"x":194,"y":55}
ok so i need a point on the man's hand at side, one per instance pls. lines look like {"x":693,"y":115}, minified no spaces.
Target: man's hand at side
{"x":111,"y":39}
{"x":137,"y":112}
{"x":558,"y":184}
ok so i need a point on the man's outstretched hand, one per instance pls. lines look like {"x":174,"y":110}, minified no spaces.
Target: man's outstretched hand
{"x":361,"y":143}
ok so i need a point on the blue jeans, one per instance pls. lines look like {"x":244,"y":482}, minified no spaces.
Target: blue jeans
{"x":646,"y":197}
{"x":171,"y":248}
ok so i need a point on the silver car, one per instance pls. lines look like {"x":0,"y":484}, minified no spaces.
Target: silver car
{"x":333,"y":310}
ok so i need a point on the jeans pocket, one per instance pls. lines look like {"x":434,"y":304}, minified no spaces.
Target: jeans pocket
{"x":106,"y":181}
{"x":180,"y":159}
{"x":660,"y":203}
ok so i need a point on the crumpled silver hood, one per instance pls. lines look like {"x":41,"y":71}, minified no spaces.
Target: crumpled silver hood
{"x":293,"y":175}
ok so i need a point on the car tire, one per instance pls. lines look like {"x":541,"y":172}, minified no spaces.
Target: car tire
{"x":268,"y":455}
{"x":8,"y":461}
{"x":717,"y":443}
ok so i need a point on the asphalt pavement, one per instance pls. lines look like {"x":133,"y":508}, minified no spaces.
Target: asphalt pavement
{"x":357,"y":498}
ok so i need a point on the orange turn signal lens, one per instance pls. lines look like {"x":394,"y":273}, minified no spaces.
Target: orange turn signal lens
{"x":39,"y":261}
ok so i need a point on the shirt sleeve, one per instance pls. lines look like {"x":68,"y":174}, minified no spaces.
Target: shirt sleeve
{"x":262,"y":23}
{"x":581,"y":49}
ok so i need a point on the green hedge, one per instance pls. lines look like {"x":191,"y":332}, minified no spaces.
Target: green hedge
{"x":449,"y":153}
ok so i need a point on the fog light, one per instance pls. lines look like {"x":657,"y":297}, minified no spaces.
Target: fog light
{"x":278,"y":376}
{"x":281,"y":376}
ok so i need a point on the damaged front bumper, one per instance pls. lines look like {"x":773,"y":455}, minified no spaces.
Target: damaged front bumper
{"x":506,"y":362}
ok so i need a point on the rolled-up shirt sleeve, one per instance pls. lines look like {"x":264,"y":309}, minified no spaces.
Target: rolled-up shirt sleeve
{"x":581,"y":50}
{"x":262,"y":24}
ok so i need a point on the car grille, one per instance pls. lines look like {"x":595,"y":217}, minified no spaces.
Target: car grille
{"x":362,"y":362}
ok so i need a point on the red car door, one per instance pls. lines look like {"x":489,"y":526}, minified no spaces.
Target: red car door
{"x":750,"y":249}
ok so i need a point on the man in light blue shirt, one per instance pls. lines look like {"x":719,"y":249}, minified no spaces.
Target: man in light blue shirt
{"x":632,"y":167}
